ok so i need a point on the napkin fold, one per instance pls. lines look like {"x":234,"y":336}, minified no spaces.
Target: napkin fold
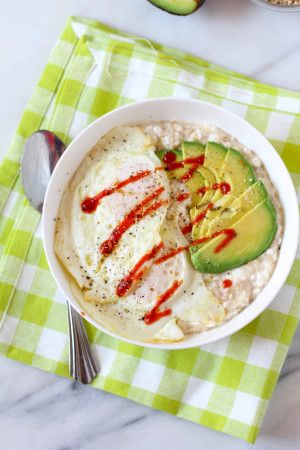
{"x":92,"y":70}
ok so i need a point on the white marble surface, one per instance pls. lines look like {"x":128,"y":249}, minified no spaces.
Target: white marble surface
{"x":39,"y":411}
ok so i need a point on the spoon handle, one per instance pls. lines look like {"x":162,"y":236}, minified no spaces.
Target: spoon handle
{"x":83,"y":364}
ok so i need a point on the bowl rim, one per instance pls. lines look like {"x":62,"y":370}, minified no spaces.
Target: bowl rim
{"x":254,"y":309}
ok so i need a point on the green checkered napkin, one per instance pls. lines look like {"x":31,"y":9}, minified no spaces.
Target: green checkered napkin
{"x":92,"y":70}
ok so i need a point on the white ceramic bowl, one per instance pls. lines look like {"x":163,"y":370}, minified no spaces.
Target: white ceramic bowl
{"x":190,"y":111}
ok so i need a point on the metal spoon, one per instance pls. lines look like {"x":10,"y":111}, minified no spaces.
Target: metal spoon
{"x":42,"y":151}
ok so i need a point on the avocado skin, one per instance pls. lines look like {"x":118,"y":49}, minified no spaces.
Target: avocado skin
{"x":197,"y":6}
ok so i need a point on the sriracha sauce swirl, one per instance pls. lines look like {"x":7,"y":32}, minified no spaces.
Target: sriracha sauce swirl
{"x":229,"y":235}
{"x":155,"y":314}
{"x":224,"y":188}
{"x":169,"y":157}
{"x":89,"y":204}
{"x":141,"y":210}
{"x":135,"y":274}
{"x":227,"y":283}
{"x":183,"y":196}
{"x":188,"y":175}
{"x":199,"y":160}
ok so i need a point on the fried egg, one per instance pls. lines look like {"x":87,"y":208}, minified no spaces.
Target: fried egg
{"x":122,"y":153}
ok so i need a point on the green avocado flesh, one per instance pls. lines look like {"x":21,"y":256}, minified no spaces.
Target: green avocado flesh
{"x":237,"y":172}
{"x":231,"y":212}
{"x":180,"y":7}
{"x":244,"y":208}
{"x":254,"y":233}
{"x":215,"y":155}
{"x":193,"y":150}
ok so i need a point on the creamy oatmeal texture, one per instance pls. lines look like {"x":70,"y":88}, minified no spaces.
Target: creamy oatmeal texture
{"x":199,"y":301}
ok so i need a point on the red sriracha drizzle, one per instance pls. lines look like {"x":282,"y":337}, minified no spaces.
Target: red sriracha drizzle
{"x":229,"y":235}
{"x":224,"y":188}
{"x":89,"y":204}
{"x":155,"y":314}
{"x":137,"y":271}
{"x":227,"y":283}
{"x":169,"y":157}
{"x":202,"y":215}
{"x":188,"y":175}
{"x":135,"y":215}
{"x":182,"y":197}
{"x":187,"y":228}
{"x":171,"y":164}
{"x":199,"y":160}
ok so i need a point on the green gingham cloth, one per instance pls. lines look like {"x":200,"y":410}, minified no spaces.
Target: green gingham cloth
{"x":92,"y":70}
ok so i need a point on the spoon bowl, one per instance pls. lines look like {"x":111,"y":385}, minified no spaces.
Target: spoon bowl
{"x":38,"y":165}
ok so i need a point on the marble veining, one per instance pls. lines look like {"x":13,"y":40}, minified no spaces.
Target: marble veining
{"x":40,"y":411}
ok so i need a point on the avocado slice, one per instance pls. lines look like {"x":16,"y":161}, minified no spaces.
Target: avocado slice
{"x":179,"y":7}
{"x":192,"y":150}
{"x":172,"y":174}
{"x":234,"y":171}
{"x":229,"y":210}
{"x":217,"y":208}
{"x":248,"y":200}
{"x":193,"y":184}
{"x":237,"y":172}
{"x":215,"y":155}
{"x":254,"y":233}
{"x":196,"y":182}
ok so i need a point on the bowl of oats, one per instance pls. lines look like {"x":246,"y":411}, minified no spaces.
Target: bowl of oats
{"x":280,"y":5}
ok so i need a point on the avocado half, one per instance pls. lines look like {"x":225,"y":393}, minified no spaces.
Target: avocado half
{"x":178,"y":7}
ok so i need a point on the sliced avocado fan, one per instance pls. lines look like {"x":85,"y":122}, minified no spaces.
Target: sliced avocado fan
{"x":232,"y":171}
{"x":244,"y":207}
